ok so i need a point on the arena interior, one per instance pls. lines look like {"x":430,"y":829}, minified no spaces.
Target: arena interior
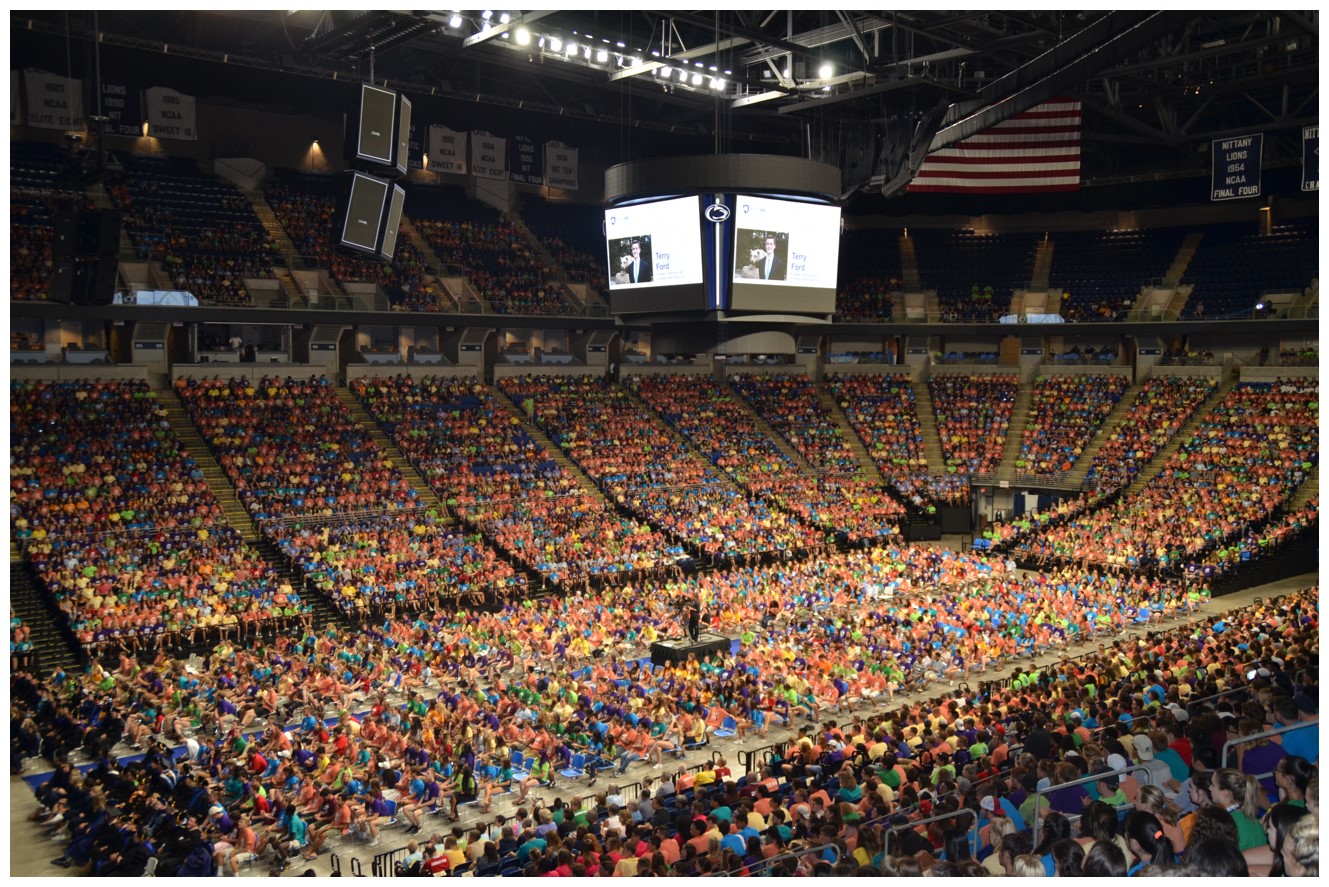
{"x":664,"y":444}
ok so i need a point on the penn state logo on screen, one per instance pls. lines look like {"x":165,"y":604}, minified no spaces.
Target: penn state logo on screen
{"x":717,"y":213}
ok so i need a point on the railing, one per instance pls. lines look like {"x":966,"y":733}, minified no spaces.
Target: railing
{"x":1278,"y":731}
{"x":1039,"y":795}
{"x":746,"y":757}
{"x":384,"y":864}
{"x":910,"y":826}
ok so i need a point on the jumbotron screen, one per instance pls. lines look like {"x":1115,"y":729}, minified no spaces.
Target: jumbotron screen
{"x":786,"y":255}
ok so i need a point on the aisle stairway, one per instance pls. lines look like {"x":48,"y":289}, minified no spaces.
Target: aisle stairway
{"x":216,"y":478}
{"x":1015,"y":431}
{"x":1201,"y":413}
{"x":927,"y":423}
{"x":1075,"y":477}
{"x":909,"y":265}
{"x":325,"y":614}
{"x":538,"y":435}
{"x":425,"y":494}
{"x":1309,"y":489}
{"x":866,"y":467}
{"x":781,"y":443}
{"x":52,"y":643}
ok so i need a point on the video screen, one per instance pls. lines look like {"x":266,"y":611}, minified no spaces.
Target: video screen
{"x":786,"y":255}
{"x":654,"y":244}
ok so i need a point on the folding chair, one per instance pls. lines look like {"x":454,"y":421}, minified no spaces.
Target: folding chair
{"x":728,"y":727}
{"x":576,"y":767}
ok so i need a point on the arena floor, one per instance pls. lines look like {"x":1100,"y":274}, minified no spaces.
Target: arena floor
{"x":32,"y":851}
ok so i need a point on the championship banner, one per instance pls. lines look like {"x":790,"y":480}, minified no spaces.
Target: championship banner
{"x":415,"y":148}
{"x":447,"y":151}
{"x":525,"y":162}
{"x":1236,"y":167}
{"x":489,"y":155}
{"x":1310,"y":158}
{"x":54,"y":102}
{"x":170,"y":114}
{"x":123,"y":109}
{"x":561,"y":166}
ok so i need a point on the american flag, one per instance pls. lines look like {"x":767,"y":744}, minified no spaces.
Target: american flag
{"x":1037,"y":150}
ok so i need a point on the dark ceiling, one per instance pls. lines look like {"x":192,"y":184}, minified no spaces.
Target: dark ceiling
{"x":1156,"y":87}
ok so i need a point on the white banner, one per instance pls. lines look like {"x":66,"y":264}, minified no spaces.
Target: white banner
{"x":54,"y":102}
{"x":170,"y":114}
{"x":561,"y":166}
{"x":447,"y":150}
{"x":489,"y":156}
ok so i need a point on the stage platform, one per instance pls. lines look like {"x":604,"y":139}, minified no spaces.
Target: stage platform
{"x":678,"y":649}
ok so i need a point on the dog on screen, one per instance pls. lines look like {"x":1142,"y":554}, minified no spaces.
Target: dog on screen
{"x":752,"y":269}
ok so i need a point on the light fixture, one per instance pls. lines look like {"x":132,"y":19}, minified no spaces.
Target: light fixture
{"x":621,"y":45}
{"x":696,"y":80}
{"x":825,"y":71}
{"x":455,"y":21}
{"x":555,"y":44}
{"x":504,"y":18}
{"x":487,"y":15}
{"x":602,"y":56}
{"x":717,"y":84}
{"x":523,"y":37}
{"x":586,"y":51}
{"x":665,"y":72}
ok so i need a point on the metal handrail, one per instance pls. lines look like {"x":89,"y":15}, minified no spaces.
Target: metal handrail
{"x":1041,"y":793}
{"x":963,"y":811}
{"x":1277,"y":731}
{"x":1228,"y":692}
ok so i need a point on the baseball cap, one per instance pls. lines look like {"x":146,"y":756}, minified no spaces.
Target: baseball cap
{"x":1116,"y":762}
{"x":988,"y":804}
{"x":1144,"y":747}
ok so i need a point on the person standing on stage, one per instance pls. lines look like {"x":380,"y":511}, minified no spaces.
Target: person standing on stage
{"x":694,"y":621}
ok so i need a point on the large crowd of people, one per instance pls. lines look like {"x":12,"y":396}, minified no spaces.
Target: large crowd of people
{"x":500,"y":262}
{"x":1244,"y":461}
{"x":973,"y":415}
{"x":1160,"y":408}
{"x":639,"y":464}
{"x":119,"y":525}
{"x":438,"y":714}
{"x":711,"y":418}
{"x":489,"y":471}
{"x":1065,"y":412}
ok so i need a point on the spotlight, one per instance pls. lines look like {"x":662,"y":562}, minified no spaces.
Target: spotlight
{"x":555,"y":45}
{"x":696,"y":80}
{"x":504,"y":18}
{"x":523,"y":37}
{"x":825,"y":72}
{"x":717,"y":84}
{"x":455,"y":21}
{"x":486,"y":15}
{"x":665,"y":72}
{"x":602,"y":56}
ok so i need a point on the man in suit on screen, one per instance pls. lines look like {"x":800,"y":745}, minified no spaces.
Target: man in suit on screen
{"x":639,"y":270}
{"x":771,"y":267}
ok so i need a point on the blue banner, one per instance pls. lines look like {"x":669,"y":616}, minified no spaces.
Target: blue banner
{"x":1236,"y":167}
{"x":526,"y":163}
{"x":415,"y":154}
{"x":1310,"y":158}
